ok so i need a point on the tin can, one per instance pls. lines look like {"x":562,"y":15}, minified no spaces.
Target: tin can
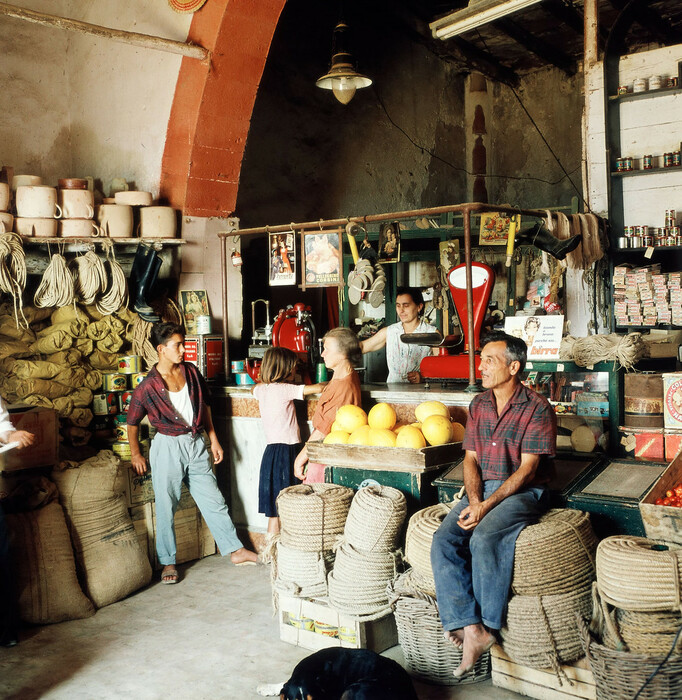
{"x":670,"y":217}
{"x":203,"y":325}
{"x":102,"y":427}
{"x":674,"y":231}
{"x":620,"y":165}
{"x":671,"y":81}
{"x":121,"y":432}
{"x":622,"y":89}
{"x":636,"y":242}
{"x":137,"y":379}
{"x":655,"y":82}
{"x":125,"y":398}
{"x":677,"y":158}
{"x":122,"y":450}
{"x":629,"y":231}
{"x":622,"y":243}
{"x":660,"y":241}
{"x":678,"y":240}
{"x":639,"y":85}
{"x":321,"y":372}
{"x":647,"y":162}
{"x":105,"y":404}
{"x":237,"y":366}
{"x":129,"y":364}
{"x":667,"y":160}
{"x":647,"y":241}
{"x":671,"y":240}
{"x":628,"y":164}
{"x":114,"y":381}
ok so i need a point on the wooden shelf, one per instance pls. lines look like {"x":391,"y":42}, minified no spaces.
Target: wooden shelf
{"x":647,"y":171}
{"x":631,"y":96}
{"x":32,"y":240}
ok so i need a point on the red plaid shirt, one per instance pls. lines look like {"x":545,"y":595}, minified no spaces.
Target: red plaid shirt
{"x":527,"y":425}
{"x":151,"y":398}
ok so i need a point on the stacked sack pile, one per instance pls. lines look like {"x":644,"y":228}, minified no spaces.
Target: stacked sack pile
{"x":551,"y":587}
{"x":428,"y":654}
{"x":312,"y":518}
{"x":367,"y":557}
{"x":637,"y":619}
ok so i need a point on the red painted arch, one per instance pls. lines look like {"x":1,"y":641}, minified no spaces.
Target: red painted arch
{"x":212,"y":106}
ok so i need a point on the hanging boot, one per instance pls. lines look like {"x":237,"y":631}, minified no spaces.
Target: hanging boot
{"x":137,"y":269}
{"x":147,"y":277}
{"x":542,"y":238}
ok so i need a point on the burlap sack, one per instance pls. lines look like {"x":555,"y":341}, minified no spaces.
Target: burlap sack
{"x":9,"y":329}
{"x":68,"y":313}
{"x":14,"y":348}
{"x":81,"y":397}
{"x":31,"y":314}
{"x":65,"y":357}
{"x":84,"y":345}
{"x":93,"y":380}
{"x":59,"y":340}
{"x":64,"y":406}
{"x":110,"y":343}
{"x":44,"y":567}
{"x":40,"y":369}
{"x":81,"y":417}
{"x":108,"y":553}
{"x":41,"y":387}
{"x":71,"y":376}
{"x":74,"y":328}
{"x":98,"y":330}
{"x":104,"y":361}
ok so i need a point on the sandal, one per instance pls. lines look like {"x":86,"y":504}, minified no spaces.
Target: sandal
{"x":170,"y":576}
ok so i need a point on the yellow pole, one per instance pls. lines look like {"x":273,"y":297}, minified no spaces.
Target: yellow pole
{"x":513,"y":225}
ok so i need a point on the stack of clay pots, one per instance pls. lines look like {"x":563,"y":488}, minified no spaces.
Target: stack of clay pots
{"x":36,"y":206}
{"x":77,"y":204}
{"x":153,"y":221}
{"x":6,"y":219}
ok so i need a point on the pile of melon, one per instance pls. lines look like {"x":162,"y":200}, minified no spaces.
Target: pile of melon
{"x":380,"y":428}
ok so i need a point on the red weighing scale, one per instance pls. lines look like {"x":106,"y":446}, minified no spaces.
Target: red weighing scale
{"x":456,"y":366}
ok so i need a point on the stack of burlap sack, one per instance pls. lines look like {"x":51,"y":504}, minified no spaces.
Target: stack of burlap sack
{"x":73,"y":545}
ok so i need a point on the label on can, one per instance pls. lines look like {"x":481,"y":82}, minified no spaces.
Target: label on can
{"x":121,"y":432}
{"x":129,"y":364}
{"x":105,"y":404}
{"x":647,"y":162}
{"x":113,"y":381}
{"x":667,"y":160}
{"x":126,"y":396}
{"x":137,"y":379}
{"x":677,"y":158}
{"x":203,"y":325}
{"x":122,"y":449}
{"x":628,"y":164}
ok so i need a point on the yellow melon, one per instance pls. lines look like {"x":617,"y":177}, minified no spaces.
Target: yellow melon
{"x":381,"y":416}
{"x":382,"y":437}
{"x":430,"y":408}
{"x":360,"y":436}
{"x":350,"y":417}
{"x":410,"y":437}
{"x":437,"y":430}
{"x":336,"y":437}
{"x":335,"y":427}
{"x":457,"y":432}
{"x":398,"y":427}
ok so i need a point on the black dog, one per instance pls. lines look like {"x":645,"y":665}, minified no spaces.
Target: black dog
{"x":348,"y":674}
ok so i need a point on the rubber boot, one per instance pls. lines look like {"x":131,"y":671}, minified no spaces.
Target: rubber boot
{"x":152,"y":264}
{"x":137,"y":269}
{"x":543,"y":239}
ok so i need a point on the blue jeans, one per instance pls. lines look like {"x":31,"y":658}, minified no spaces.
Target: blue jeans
{"x":473,"y":568}
{"x":175,"y":459}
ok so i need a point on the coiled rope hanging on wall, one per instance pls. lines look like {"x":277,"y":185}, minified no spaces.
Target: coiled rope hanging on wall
{"x":56,"y":286}
{"x":116,"y":295}
{"x":13,"y":272}
{"x":90,"y":277}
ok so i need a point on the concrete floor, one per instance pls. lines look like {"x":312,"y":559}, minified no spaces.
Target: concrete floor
{"x":211,"y":636}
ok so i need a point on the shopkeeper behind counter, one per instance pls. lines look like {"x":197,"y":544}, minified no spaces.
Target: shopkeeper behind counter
{"x":402,"y":359}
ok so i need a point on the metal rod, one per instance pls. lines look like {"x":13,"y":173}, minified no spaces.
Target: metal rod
{"x":470,"y":302}
{"x":147,"y":41}
{"x":226,"y":335}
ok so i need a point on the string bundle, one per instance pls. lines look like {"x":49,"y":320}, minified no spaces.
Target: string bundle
{"x":13,"y":272}
{"x":90,"y":277}
{"x":625,"y":350}
{"x":375,"y":518}
{"x":116,"y":295}
{"x":56,"y":285}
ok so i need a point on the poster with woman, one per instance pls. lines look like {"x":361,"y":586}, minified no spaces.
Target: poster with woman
{"x":322,"y":259}
{"x":282,"y":259}
{"x":194,"y":303}
{"x":389,"y":242}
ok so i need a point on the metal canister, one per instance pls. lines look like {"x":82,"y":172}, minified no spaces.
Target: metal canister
{"x":636,"y":242}
{"x":622,"y":89}
{"x":647,"y":241}
{"x":620,"y":165}
{"x":105,"y":404}
{"x":667,"y":160}
{"x":660,"y":240}
{"x":677,"y":158}
{"x":655,"y":82}
{"x":671,"y":81}
{"x":121,"y":432}
{"x":647,"y":162}
{"x":671,"y":240}
{"x":137,"y":379}
{"x":674,"y":231}
{"x":122,"y":449}
{"x":670,"y":217}
{"x":678,"y":240}
{"x":203,"y":325}
{"x":129,"y":364}
{"x":114,"y":381}
{"x":628,"y":164}
{"x":639,"y":85}
{"x":126,"y":397}
{"x":629,"y":231}
{"x":623,"y":242}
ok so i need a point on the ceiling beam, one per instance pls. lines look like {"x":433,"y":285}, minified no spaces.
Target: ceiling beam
{"x":570,"y":17}
{"x":536,"y":45}
{"x":484,"y":62}
{"x":650,"y":20}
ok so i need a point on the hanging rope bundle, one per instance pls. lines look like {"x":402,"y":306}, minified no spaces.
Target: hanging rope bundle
{"x":420,"y":530}
{"x":634,"y":573}
{"x":13,"y":273}
{"x":116,"y":295}
{"x":556,"y":555}
{"x":56,"y":286}
{"x":375,"y":519}
{"x":626,"y":350}
{"x":428,"y":655}
{"x":90,"y":277}
{"x":313,"y":516}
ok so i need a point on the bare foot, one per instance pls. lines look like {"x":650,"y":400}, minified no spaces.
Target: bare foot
{"x":455,"y":636}
{"x":169,"y":574}
{"x":243,"y":556}
{"x":477,"y":640}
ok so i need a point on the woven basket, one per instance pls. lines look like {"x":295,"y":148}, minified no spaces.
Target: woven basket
{"x":556,"y":555}
{"x":541,"y":631}
{"x":420,"y":530}
{"x":301,"y":573}
{"x":428,"y":655}
{"x":312,"y":516}
{"x":634,"y":573}
{"x":644,"y":632}
{"x":620,"y":675}
{"x":375,"y":519}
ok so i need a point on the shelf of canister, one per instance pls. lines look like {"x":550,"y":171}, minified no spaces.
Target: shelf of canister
{"x":630,"y":96}
{"x":101,"y":239}
{"x":646,"y":171}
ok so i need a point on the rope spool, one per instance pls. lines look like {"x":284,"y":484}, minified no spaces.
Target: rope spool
{"x":13,"y":273}
{"x":428,"y":655}
{"x":556,"y":555}
{"x":541,"y":630}
{"x":301,"y":573}
{"x":420,"y":530}
{"x":357,"y":584}
{"x":634,"y":573}
{"x":375,"y":519}
{"x":313,"y":516}
{"x":645,"y":632}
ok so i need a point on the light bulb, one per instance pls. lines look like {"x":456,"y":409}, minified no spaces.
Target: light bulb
{"x":343,"y":89}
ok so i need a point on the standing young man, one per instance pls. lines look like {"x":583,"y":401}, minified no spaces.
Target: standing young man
{"x":174,"y":395}
{"x":509,"y":442}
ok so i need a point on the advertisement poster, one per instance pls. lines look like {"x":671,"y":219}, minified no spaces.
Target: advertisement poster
{"x":494,"y":228}
{"x":194,"y":303}
{"x":282,"y":259}
{"x":542,"y":334}
{"x":322,"y":259}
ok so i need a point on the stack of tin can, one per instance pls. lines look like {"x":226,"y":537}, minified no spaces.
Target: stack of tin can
{"x":111,"y":406}
{"x":646,"y":236}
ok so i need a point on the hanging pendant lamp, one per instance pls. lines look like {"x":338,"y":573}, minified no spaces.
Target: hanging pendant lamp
{"x":342,"y":79}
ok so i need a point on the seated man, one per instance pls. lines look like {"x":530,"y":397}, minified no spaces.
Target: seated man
{"x":509,"y":444}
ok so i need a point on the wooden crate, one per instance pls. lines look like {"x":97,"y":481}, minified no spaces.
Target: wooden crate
{"x":542,"y":684}
{"x":663,"y":522}
{"x":385,"y":458}
{"x":376,"y":635}
{"x":44,"y":452}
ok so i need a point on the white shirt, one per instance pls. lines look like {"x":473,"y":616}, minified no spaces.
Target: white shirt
{"x":182,"y":404}
{"x":402,"y":358}
{"x":6,"y":426}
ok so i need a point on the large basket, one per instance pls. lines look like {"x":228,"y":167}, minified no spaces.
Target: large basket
{"x":620,"y":675}
{"x":428,"y":655}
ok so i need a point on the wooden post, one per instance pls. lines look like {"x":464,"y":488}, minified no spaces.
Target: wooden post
{"x":134,"y":38}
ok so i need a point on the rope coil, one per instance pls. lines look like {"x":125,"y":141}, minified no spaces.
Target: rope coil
{"x":13,"y":273}
{"x":90,"y":277}
{"x":56,"y":285}
{"x":300,"y":573}
{"x":375,"y":519}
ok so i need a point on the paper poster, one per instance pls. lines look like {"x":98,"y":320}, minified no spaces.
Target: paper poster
{"x":389,"y":242}
{"x":282,"y":259}
{"x":494,"y":228}
{"x":322,"y":259}
{"x":542,"y":334}
{"x":194,"y":303}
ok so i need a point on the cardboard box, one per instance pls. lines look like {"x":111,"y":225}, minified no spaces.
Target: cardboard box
{"x":645,"y":444}
{"x":543,"y":684}
{"x":139,"y":489}
{"x":662,"y":343}
{"x":297,"y":618}
{"x":44,"y":452}
{"x":672,"y":400}
{"x":673,"y":444}
{"x":663,"y":522}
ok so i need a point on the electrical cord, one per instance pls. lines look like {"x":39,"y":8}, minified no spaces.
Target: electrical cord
{"x":13,"y":272}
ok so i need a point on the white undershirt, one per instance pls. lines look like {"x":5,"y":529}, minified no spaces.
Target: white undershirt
{"x":182,"y":404}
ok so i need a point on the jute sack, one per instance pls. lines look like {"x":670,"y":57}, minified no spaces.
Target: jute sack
{"x":109,"y":555}
{"x":44,"y":567}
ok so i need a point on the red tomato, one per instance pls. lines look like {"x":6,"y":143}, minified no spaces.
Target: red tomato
{"x":669,"y":493}
{"x":659,"y":501}
{"x":667,"y":501}
{"x":678,"y":490}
